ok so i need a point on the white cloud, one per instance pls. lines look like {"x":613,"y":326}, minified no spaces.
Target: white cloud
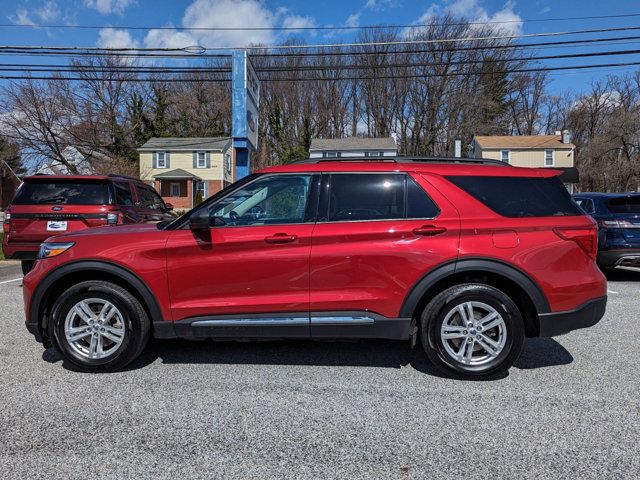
{"x":114,"y":38}
{"x":21,"y":17}
{"x":353,"y":20}
{"x":505,"y":19}
{"x":297,"y":21}
{"x":545,"y":10}
{"x":107,"y":7}
{"x":219,"y":14}
{"x":48,"y":12}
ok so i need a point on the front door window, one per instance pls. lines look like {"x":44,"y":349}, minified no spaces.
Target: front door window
{"x":270,"y":200}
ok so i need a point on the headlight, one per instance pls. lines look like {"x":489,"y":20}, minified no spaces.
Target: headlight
{"x":53,"y":249}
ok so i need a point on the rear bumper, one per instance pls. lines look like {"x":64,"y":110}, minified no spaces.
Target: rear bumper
{"x":20,"y":251}
{"x":619,"y":258}
{"x":586,"y":315}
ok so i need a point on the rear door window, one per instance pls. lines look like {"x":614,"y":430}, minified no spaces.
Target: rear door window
{"x":624,"y":204}
{"x":364,"y":196}
{"x":76,"y":192}
{"x":149,"y":199}
{"x":124,"y":196}
{"x":518,"y":197}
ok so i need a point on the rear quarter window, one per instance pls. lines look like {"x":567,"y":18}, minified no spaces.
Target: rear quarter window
{"x":44,"y":192}
{"x":519,"y":197}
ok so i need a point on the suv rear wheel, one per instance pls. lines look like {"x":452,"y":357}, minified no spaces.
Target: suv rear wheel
{"x":472,"y":331}
{"x":99,"y":326}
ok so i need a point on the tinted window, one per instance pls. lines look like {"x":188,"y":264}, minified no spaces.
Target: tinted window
{"x":624,"y":204}
{"x":366,"y":197}
{"x":123,"y":194}
{"x":520,"y":196}
{"x":275,"y":199}
{"x":419,"y":205}
{"x":149,"y":199}
{"x":586,"y":204}
{"x":62,"y":192}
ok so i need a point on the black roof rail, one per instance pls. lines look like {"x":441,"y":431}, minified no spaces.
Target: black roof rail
{"x":468,"y":160}
{"x":409,"y":159}
{"x":115,"y":175}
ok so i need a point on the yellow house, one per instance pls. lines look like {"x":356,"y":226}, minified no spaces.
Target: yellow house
{"x":179,"y":168}
{"x":539,"y":151}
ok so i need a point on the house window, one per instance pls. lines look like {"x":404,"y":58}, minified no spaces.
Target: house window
{"x":202,"y":160}
{"x":175,"y":189}
{"x":374,"y":154}
{"x":548,"y":158}
{"x":161,"y":160}
{"x":505,"y":156}
{"x":331,"y":154}
{"x":227,"y":163}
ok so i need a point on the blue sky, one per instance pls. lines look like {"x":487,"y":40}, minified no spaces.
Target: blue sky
{"x":295,"y":13}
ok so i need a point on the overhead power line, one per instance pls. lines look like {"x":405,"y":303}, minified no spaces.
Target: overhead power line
{"x":26,"y":48}
{"x":20,"y":67}
{"x":541,"y":45}
{"x":323,"y":27}
{"x":328,"y":78}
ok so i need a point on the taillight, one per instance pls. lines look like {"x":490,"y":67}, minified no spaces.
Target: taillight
{"x":616,"y":224}
{"x":6,"y":225}
{"x":586,"y":238}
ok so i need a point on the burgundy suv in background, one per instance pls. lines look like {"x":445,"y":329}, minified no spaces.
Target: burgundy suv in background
{"x":47,"y":205}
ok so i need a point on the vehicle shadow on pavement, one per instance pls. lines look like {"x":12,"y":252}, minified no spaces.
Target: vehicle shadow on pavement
{"x":536,"y":353}
{"x":620,"y":275}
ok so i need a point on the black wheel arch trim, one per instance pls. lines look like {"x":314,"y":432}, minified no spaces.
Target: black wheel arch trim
{"x":491,"y":265}
{"x":35,"y":306}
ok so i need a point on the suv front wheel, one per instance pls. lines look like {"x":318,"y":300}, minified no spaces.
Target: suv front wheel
{"x":99,"y":326}
{"x":472,"y":331}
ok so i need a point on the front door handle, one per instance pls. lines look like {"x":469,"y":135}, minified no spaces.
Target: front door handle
{"x":429,"y":230}
{"x":281,"y":238}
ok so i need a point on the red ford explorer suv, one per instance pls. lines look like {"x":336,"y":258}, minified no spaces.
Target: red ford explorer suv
{"x":469,"y":257}
{"x":47,"y":205}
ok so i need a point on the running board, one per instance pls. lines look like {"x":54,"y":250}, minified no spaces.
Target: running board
{"x":288,"y":325}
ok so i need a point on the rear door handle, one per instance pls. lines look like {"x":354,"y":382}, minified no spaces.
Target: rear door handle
{"x":281,"y":238}
{"x":429,"y":230}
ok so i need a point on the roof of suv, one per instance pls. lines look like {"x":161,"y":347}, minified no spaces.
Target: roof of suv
{"x":81,"y":177}
{"x":439,"y":166}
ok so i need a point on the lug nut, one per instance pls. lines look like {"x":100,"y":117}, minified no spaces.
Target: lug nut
{"x":470,"y":340}
{"x":465,"y":332}
{"x":478,"y":337}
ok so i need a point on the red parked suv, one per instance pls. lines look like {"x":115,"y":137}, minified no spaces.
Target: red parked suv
{"x":468,"y":256}
{"x":47,"y":205}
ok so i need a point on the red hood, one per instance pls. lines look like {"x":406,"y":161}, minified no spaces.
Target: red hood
{"x":112,"y":230}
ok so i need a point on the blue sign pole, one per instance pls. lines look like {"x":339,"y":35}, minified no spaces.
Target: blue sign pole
{"x":244,"y":118}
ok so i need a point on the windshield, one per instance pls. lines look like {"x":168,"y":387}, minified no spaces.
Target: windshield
{"x":62,"y":192}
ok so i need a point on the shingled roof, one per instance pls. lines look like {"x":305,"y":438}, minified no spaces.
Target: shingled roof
{"x":522,"y":141}
{"x":186,"y":143}
{"x":353,"y":143}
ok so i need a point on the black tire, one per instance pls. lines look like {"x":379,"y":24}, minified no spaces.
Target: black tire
{"x":27,"y":265}
{"x":435,"y":313}
{"x":136,"y":325}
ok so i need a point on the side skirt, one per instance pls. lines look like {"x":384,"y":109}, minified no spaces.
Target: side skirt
{"x":287,"y":325}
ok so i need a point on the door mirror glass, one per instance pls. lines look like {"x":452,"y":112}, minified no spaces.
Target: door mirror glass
{"x":199,"y":220}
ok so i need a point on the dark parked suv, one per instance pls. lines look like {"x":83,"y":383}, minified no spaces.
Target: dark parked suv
{"x":469,"y":257}
{"x":47,"y":205}
{"x":618,"y":217}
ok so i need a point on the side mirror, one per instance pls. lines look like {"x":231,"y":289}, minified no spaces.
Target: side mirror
{"x":200,"y":220}
{"x":168,"y":207}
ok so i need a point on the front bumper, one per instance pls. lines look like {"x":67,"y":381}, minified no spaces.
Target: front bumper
{"x":586,"y":315}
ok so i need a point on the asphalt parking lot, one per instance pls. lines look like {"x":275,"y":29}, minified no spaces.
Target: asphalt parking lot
{"x":569,"y":408}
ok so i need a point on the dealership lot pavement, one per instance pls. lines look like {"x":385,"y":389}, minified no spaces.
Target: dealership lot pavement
{"x":569,"y":408}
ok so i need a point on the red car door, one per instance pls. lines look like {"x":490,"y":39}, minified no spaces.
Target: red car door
{"x":253,"y":266}
{"x":377,"y":235}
